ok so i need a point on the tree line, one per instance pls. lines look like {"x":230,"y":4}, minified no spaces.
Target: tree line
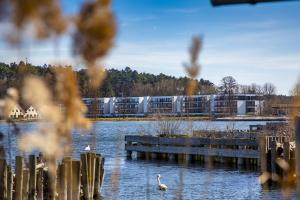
{"x":125,"y":82}
{"x":128,"y":82}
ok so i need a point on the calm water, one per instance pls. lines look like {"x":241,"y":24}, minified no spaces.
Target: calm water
{"x":137,"y":179}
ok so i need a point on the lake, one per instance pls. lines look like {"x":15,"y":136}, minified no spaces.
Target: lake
{"x":136,"y":179}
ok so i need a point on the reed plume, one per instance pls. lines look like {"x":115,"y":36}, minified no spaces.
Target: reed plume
{"x":193,"y":68}
{"x":45,"y":16}
{"x":94,"y":37}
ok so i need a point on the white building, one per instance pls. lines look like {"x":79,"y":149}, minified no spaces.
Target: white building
{"x":17,"y":112}
{"x":31,"y":113}
{"x":128,"y":106}
{"x":219,"y":104}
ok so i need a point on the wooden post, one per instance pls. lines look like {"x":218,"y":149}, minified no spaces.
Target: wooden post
{"x":97,"y":176}
{"x":263,"y":154}
{"x":273,"y":156}
{"x":92,"y":163}
{"x":9,"y":184}
{"x":25,"y":184}
{"x":40,"y":182}
{"x":62,"y":184}
{"x":154,"y":156}
{"x":240,"y":161}
{"x":208,"y":159}
{"x":68,"y":168}
{"x":19,"y":178}
{"x":297,"y":157}
{"x":76,"y":167}
{"x":84,"y":175}
{"x":171,"y":157}
{"x":32,"y":177}
{"x":102,"y":171}
{"x":286,"y":151}
{"x":3,"y":179}
{"x":129,"y":154}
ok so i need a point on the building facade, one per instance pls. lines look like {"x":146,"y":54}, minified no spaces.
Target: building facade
{"x":219,"y":105}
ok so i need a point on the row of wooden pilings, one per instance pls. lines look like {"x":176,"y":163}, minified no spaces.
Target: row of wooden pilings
{"x":75,"y":179}
{"x":251,"y":163}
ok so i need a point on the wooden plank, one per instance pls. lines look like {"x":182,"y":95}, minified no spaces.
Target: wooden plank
{"x":97,"y":176}
{"x":32,"y":177}
{"x":193,"y":141}
{"x":102,"y":171}
{"x":92,"y":163}
{"x":236,"y":153}
{"x":9,"y":183}
{"x":40,"y":182}
{"x":62,"y":183}
{"x":142,"y":139}
{"x":19,"y":178}
{"x":205,"y":141}
{"x":3,"y":179}
{"x":76,"y":167}
{"x":25,"y":184}
{"x":84,"y":175}
{"x":273,"y":156}
{"x":263,"y":154}
{"x":68,"y":167}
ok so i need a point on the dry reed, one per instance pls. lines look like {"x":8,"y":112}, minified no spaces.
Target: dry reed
{"x":193,"y":68}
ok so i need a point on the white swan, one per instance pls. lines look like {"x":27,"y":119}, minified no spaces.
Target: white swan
{"x":87,"y":148}
{"x":160,"y":185}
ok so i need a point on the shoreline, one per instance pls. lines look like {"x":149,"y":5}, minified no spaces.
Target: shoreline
{"x":183,"y":118}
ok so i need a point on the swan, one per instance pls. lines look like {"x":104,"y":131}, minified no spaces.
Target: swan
{"x":160,"y":185}
{"x":87,"y":148}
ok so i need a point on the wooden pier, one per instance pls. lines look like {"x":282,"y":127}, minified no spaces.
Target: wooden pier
{"x":75,"y":179}
{"x":260,"y":153}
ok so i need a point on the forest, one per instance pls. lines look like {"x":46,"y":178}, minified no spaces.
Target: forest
{"x":125,"y":82}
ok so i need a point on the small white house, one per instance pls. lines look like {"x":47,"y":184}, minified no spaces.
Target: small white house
{"x":17,"y":112}
{"x":31,"y":113}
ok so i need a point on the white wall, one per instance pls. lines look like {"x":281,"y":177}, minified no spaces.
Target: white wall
{"x":241,"y":107}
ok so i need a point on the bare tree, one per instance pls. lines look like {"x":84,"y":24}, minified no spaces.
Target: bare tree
{"x":229,"y":87}
{"x":269,"y":89}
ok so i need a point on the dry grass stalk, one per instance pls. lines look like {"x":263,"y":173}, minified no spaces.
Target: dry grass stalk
{"x":193,"y":68}
{"x":9,"y":102}
{"x":45,"y":16}
{"x":96,"y":30}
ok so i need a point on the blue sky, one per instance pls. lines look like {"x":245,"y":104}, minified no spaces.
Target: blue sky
{"x":254,"y":44}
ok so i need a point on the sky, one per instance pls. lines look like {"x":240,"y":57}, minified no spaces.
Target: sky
{"x":254,"y":44}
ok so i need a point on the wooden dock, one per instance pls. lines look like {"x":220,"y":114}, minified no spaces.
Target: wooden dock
{"x":74,"y":179}
{"x":260,"y":153}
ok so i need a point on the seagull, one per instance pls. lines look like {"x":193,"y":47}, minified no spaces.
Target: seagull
{"x":87,"y":148}
{"x":161,"y":186}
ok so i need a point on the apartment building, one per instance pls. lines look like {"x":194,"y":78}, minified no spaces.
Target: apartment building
{"x":219,"y":104}
{"x":241,"y":104}
{"x":162,"y":105}
{"x":128,"y":106}
{"x":195,"y":105}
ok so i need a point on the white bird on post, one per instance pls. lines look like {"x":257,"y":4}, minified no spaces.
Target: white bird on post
{"x":87,"y":148}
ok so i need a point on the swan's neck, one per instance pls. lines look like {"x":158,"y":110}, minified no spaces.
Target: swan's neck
{"x":158,"y":180}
